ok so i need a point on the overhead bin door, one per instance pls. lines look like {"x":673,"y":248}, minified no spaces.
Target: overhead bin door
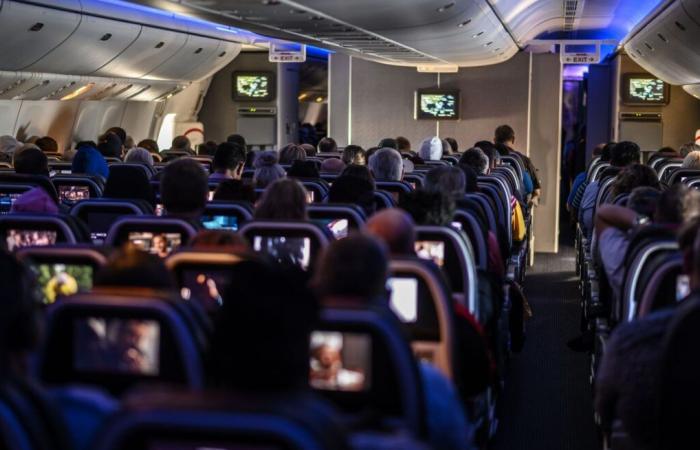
{"x":28,"y":32}
{"x":223,"y":55}
{"x":196,"y":52}
{"x":97,"y":41}
{"x":151,"y":49}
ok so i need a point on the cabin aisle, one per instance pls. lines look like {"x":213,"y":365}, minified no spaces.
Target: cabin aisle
{"x":547,"y":403}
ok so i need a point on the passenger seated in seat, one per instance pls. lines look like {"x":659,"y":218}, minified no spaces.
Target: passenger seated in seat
{"x":35,"y":200}
{"x":285,"y":199}
{"x":111,"y":146}
{"x":267,"y":169}
{"x":290,"y":153}
{"x":184,"y":190}
{"x":631,"y":177}
{"x":131,"y":267}
{"x":364,"y":258}
{"x":353,"y":189}
{"x":428,"y":208}
{"x":431,"y":149}
{"x":327,"y":145}
{"x":505,"y":136}
{"x":386,"y":165}
{"x":47,"y":144}
{"x":396,"y":229}
{"x":354,"y":154}
{"x":182,"y":144}
{"x":89,"y":161}
{"x":139,"y":155}
{"x":234,"y":190}
{"x":30,"y":160}
{"x":626,"y":383}
{"x":476,"y":159}
{"x":686,"y":149}
{"x":692,"y":160}
{"x":332,"y":166}
{"x":228,"y":162}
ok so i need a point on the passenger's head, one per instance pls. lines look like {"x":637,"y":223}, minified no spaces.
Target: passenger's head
{"x":285,"y":199}
{"x":291,"y":153}
{"x":692,"y":160}
{"x":309,"y":149}
{"x":354,"y":154}
{"x":633,"y":176}
{"x":150,"y":145}
{"x":643,"y":200}
{"x":476,"y":159}
{"x":234,"y":191}
{"x":359,"y":171}
{"x":454,"y":146}
{"x":355,"y":190}
{"x":386,"y":164}
{"x":139,"y":156}
{"x":327,"y":145}
{"x":354,"y":267}
{"x":30,"y":160}
{"x":181,"y":144}
{"x":687,"y":148}
{"x":228,"y":157}
{"x":388,"y":143}
{"x":504,"y":134}
{"x":47,"y":144}
{"x":403,"y":144}
{"x":624,"y":153}
{"x":19,"y":315}
{"x":35,"y":200}
{"x":119,"y":132}
{"x":237,"y":139}
{"x":606,"y":153}
{"x":470,"y":178}
{"x":396,"y":228}
{"x":332,"y":165}
{"x":130,"y":267}
{"x":110,"y":146}
{"x":207,"y":148}
{"x":502,"y":149}
{"x":446,"y":180}
{"x":219,"y":241}
{"x":677,"y":205}
{"x":267,"y":169}
{"x":184,"y":188}
{"x":262,"y":332}
{"x":428,"y":207}
{"x":90,"y":162}
{"x":431,"y":149}
{"x":303,"y":169}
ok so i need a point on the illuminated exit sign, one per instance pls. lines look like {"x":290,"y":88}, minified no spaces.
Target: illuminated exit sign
{"x":287,"y":52}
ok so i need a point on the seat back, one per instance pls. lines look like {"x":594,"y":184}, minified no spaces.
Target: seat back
{"x":339,"y":218}
{"x":100,"y":214}
{"x":667,"y":168}
{"x":423,"y":303}
{"x":383,"y":200}
{"x":477,"y":236}
{"x":394,"y":187}
{"x":680,"y":175}
{"x":316,"y":189}
{"x":28,"y":230}
{"x":115,"y":340}
{"x":156,"y":235}
{"x":8,"y":178}
{"x":130,"y":181}
{"x":226,"y":215}
{"x":666,"y":286}
{"x":9,"y":192}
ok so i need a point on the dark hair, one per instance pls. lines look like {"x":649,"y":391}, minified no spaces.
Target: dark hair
{"x":403,"y":144}
{"x":388,"y":143}
{"x":502,"y":149}
{"x":446,"y":180}
{"x":218,"y":240}
{"x":606,"y":153}
{"x":303,"y":169}
{"x":624,"y":153}
{"x":285,"y":199}
{"x":127,"y":182}
{"x":470,"y":178}
{"x":180,"y":143}
{"x":237,"y":139}
{"x":291,"y":153}
{"x":119,"y":132}
{"x":355,"y":190}
{"x":81,"y":144}
{"x":207,"y":148}
{"x":503,"y":134}
{"x":428,"y":208}
{"x":674,"y":203}
{"x":644,"y":200}
{"x":327,"y":145}
{"x":131,"y":267}
{"x":453,"y":144}
{"x":184,"y":187}
{"x":356,"y":170}
{"x":234,"y":190}
{"x":150,"y":145}
{"x":476,"y":159}
{"x":47,"y":144}
{"x":110,"y":146}
{"x":265,"y":321}
{"x":634,"y":176}
{"x":356,"y":266}
{"x":31,"y":161}
{"x":19,"y":310}
{"x":309,"y":149}
{"x":351,"y":153}
{"x":228,"y":156}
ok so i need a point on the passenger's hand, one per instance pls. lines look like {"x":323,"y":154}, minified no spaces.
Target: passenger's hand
{"x":22,"y":134}
{"x":534,"y":202}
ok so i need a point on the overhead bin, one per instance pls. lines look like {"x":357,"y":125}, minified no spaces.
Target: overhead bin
{"x":195,"y":53}
{"x":223,"y":54}
{"x":28,"y":32}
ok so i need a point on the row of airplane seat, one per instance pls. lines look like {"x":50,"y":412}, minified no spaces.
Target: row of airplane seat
{"x":307,"y":298}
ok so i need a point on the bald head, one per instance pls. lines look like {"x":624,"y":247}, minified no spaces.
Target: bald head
{"x":396,"y":228}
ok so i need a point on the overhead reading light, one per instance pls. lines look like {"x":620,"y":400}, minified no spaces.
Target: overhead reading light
{"x":198,"y":51}
{"x":78,"y":92}
{"x":465,"y":23}
{"x":445,"y":7}
{"x":319,"y":99}
{"x":302,"y":96}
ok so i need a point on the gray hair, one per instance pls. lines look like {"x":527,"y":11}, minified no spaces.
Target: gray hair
{"x":386,"y":164}
{"x":267,"y":169}
{"x":140,"y":156}
{"x":688,"y":148}
{"x":476,"y":159}
{"x":431,"y":149}
{"x":447,"y":180}
{"x":692,"y":160}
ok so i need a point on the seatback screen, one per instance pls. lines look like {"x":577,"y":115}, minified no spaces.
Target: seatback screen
{"x":29,"y":238}
{"x":340,"y":361}
{"x":58,"y":280}
{"x":72,"y":194}
{"x":285,"y":250}
{"x":160,"y":244}
{"x":404,"y":298}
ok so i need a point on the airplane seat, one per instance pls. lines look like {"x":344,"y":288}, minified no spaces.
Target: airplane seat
{"x":130,"y":181}
{"x":116,"y":339}
{"x":328,"y":177}
{"x":291,"y":243}
{"x":9,"y":178}
{"x":383,"y":391}
{"x":173,"y":419}
{"x":72,"y":188}
{"x":170,"y":155}
{"x":26,"y":230}
{"x":339,"y":218}
{"x":100,"y":214}
{"x":384,"y":200}
{"x":414,"y":179}
{"x":156,"y":235}
{"x":9,"y":192}
{"x":667,"y":168}
{"x":679,"y":370}
{"x":503,"y":212}
{"x":317,"y":189}
{"x":452,"y":159}
{"x":515,"y":163}
{"x":476,"y":232}
{"x":61,"y":167}
{"x":620,"y":200}
{"x":226,"y":215}
{"x":665,"y":287}
{"x":596,"y":170}
{"x":395,"y":188}
{"x":680,"y":175}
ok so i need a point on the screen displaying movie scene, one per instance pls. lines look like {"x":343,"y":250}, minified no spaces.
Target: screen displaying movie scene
{"x":340,"y":361}
{"x":29,"y":238}
{"x":431,"y":250}
{"x":404,"y":298}
{"x":643,"y":90}
{"x":6,"y":201}
{"x":161,"y":244}
{"x":116,"y":345}
{"x":220,"y":222}
{"x":338,"y":227}
{"x":72,"y":194}
{"x":285,"y":250}
{"x":438,"y":105}
{"x":252,"y":86}
{"x":205,"y":286}
{"x":60,"y":280}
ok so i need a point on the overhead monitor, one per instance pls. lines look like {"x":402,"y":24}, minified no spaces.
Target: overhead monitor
{"x":437,"y":104}
{"x":253,"y":86}
{"x":640,"y":89}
